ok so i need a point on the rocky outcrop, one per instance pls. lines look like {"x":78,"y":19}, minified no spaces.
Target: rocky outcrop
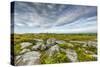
{"x":39,"y":45}
{"x":24,"y":51}
{"x":31,"y":53}
{"x":25,"y":45}
{"x":53,"y":50}
{"x":92,"y":44}
{"x":50,"y":42}
{"x":28,"y":58}
{"x":72,"y":55}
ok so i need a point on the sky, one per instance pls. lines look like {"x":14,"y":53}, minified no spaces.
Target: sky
{"x":29,"y":17}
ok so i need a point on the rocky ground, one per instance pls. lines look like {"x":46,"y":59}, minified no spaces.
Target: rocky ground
{"x":54,"y":51}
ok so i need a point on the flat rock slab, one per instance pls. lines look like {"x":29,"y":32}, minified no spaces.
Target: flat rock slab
{"x":25,"y":44}
{"x":72,"y":55}
{"x":29,"y":58}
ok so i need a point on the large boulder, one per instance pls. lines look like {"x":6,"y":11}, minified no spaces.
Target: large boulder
{"x":25,"y":44}
{"x":53,"y":50}
{"x":72,"y":55}
{"x":29,"y":58}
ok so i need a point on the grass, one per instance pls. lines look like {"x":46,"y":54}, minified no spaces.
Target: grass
{"x":58,"y":57}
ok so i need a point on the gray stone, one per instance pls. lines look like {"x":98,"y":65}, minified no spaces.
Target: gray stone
{"x":25,"y":44}
{"x":53,"y":49}
{"x":60,"y":42}
{"x":37,"y":46}
{"x":92,"y":44}
{"x":24,"y":51}
{"x":50,"y":42}
{"x":29,"y":58}
{"x":43,"y":47}
{"x":72,"y":55}
{"x":38,"y":40}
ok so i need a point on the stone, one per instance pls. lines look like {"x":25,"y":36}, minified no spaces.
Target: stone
{"x":50,"y":42}
{"x":43,"y":47}
{"x":92,"y":44}
{"x":72,"y":55}
{"x":53,"y":49}
{"x":60,"y":42}
{"x":37,"y":46}
{"x":38,"y":40}
{"x":25,"y":44}
{"x":24,"y":51}
{"x":29,"y":58}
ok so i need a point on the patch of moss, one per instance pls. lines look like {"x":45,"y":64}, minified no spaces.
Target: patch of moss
{"x":82,"y":56}
{"x":59,"y":57}
{"x":17,"y":49}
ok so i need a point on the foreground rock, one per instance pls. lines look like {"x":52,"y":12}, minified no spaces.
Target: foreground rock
{"x":25,"y":45}
{"x":28,"y":58}
{"x":72,"y":55}
{"x":53,"y":50}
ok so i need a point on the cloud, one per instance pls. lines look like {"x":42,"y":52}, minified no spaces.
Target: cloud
{"x":56,"y":18}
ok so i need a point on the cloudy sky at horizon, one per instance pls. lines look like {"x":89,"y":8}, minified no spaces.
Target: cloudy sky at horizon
{"x":54,"y":18}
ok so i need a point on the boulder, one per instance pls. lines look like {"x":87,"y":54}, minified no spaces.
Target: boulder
{"x":72,"y":55}
{"x":39,"y":46}
{"x":92,"y":44}
{"x":50,"y":42}
{"x":25,"y":44}
{"x":60,"y":42}
{"x":24,"y":51}
{"x":38,"y":40}
{"x":53,"y":49}
{"x":29,"y":58}
{"x":36,"y":47}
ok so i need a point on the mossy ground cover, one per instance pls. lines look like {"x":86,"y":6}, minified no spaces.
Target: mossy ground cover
{"x":58,"y":57}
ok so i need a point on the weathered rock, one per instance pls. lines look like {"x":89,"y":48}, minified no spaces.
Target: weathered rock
{"x":72,"y":55}
{"x":29,"y":58}
{"x":77,"y":41}
{"x":24,"y":51}
{"x":50,"y":42}
{"x":92,"y":44}
{"x":60,"y":42}
{"x":38,"y":40}
{"x":25,"y":44}
{"x":18,"y":59}
{"x":53,"y":49}
{"x":43,"y":47}
{"x":39,"y":46}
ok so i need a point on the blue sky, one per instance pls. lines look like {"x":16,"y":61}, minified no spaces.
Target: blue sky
{"x":54,"y":18}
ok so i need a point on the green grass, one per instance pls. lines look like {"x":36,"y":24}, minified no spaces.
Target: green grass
{"x":58,"y":57}
{"x":17,"y":38}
